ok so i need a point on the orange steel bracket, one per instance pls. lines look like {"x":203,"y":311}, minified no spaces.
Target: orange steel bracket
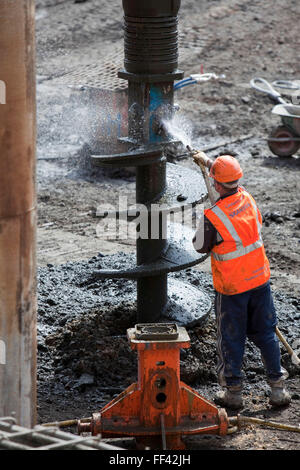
{"x":159,"y":409}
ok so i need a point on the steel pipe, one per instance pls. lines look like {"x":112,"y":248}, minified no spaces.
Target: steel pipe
{"x":150,"y":67}
{"x":148,"y":25}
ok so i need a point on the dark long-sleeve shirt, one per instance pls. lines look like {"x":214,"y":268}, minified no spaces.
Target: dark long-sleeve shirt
{"x":207,"y":236}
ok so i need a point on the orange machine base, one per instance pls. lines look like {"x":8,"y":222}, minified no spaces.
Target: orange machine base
{"x":159,"y":409}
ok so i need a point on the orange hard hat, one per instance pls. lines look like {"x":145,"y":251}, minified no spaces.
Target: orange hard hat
{"x":225,"y":169}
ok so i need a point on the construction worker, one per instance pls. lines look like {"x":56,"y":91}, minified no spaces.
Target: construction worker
{"x":231,"y":231}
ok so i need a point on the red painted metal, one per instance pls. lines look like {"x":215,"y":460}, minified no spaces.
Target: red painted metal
{"x":159,"y":404}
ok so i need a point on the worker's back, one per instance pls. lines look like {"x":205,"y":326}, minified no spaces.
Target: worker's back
{"x":239,"y":262}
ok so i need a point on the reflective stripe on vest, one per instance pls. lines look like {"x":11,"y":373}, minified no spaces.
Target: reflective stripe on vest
{"x":240,"y":249}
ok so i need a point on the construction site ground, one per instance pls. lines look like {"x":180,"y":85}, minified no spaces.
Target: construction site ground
{"x":84,"y":359}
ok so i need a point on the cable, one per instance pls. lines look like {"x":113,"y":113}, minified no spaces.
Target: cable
{"x":196,"y":78}
{"x":242,"y":420}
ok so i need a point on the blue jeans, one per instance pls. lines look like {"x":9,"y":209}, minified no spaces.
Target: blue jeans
{"x":248,"y":315}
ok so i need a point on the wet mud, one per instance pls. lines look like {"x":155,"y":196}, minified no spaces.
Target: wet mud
{"x":84,"y":355}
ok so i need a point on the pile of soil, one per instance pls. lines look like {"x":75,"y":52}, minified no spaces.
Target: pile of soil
{"x":84,"y":355}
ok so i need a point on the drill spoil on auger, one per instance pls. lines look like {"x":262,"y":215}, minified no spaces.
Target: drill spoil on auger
{"x":150,"y":66}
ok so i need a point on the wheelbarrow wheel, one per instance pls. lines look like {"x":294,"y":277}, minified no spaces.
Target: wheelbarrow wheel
{"x":282,"y":142}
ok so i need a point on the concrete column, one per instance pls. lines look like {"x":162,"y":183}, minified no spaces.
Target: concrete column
{"x":17,"y":212}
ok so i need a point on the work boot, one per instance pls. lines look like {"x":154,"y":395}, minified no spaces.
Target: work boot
{"x":231,"y":397}
{"x":279,"y":395}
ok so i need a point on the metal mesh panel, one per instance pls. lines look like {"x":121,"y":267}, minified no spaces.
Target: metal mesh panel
{"x":15,"y":437}
{"x":104,"y":75}
{"x":100,"y":75}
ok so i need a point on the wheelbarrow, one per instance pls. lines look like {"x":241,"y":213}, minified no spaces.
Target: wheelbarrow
{"x":284,"y":140}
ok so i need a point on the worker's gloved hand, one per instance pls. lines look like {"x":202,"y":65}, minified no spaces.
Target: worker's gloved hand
{"x":202,"y":158}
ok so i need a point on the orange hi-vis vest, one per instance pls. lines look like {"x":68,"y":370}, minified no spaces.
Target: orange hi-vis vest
{"x":239,"y":262}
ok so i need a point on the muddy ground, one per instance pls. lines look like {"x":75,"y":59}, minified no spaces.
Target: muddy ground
{"x":84,"y":359}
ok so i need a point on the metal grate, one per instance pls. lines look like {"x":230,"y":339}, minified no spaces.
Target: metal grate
{"x":104,"y":75}
{"x":15,"y":437}
{"x":100,"y":75}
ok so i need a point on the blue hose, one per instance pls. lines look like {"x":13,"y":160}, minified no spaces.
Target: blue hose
{"x":183,"y":83}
